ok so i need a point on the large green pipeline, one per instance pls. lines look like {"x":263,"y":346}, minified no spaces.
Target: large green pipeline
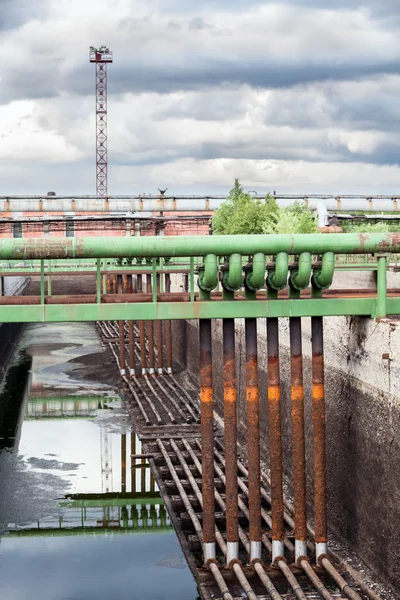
{"x":149,"y":246}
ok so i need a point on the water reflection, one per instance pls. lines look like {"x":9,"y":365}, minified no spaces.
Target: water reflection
{"x":76,"y":508}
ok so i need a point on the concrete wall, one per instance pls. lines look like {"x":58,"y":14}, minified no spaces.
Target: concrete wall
{"x":363,"y":425}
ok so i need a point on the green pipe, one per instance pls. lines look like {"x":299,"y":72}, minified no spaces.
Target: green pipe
{"x":255,"y":278}
{"x":220,"y":245}
{"x":232,"y":279}
{"x":381,"y":309}
{"x":300,"y":279}
{"x":208,"y":277}
{"x":277,"y":279}
{"x":322,"y":278}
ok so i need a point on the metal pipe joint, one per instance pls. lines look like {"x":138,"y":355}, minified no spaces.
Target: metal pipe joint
{"x":277,"y":278}
{"x":300,"y":277}
{"x":322,"y":278}
{"x":232,"y":278}
{"x":254,"y":279}
{"x":208,"y":273}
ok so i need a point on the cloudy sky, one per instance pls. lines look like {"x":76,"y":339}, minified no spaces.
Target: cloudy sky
{"x":287,"y":96}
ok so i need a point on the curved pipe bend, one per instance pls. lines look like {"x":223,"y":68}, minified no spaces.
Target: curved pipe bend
{"x":322,"y":278}
{"x":232,"y":279}
{"x":208,"y":277}
{"x":255,"y":278}
{"x":300,"y":279}
{"x":277,"y":279}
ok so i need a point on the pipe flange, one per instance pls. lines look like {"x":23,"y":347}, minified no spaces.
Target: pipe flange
{"x":277,"y":560}
{"x":302,"y":559}
{"x":270,"y":282}
{"x":234,"y":561}
{"x":315,"y":283}
{"x":255,"y":561}
{"x":322,"y":557}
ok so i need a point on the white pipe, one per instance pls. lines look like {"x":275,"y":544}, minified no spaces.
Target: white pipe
{"x":278,"y":549}
{"x":255,"y":551}
{"x":132,"y":204}
{"x":300,"y":549}
{"x":209,"y":551}
{"x":232,"y":552}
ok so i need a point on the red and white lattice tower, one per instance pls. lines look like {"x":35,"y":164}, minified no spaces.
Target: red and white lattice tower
{"x":101,"y":57}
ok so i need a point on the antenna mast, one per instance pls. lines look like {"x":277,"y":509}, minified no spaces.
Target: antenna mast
{"x":101,"y":57}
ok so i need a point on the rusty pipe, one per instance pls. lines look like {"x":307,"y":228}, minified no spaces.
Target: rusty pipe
{"x":230,"y":439}
{"x":275,"y":439}
{"x":159,"y":336}
{"x":168,"y":328}
{"x":207,"y":439}
{"x":150,"y":330}
{"x":131,"y":338}
{"x":121,"y":347}
{"x":298,"y":439}
{"x":319,"y":437}
{"x":142,"y":339}
{"x":123,"y":462}
{"x":253,"y":439}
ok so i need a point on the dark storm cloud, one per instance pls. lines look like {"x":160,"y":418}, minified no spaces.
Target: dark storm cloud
{"x":14,"y":13}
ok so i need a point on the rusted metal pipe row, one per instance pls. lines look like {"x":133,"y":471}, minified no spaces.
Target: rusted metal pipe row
{"x":168,"y":329}
{"x":253,"y":438}
{"x":150,"y":329}
{"x":275,"y":439}
{"x":230,"y":437}
{"x":319,"y":437}
{"x":298,"y":439}
{"x":207,"y":438}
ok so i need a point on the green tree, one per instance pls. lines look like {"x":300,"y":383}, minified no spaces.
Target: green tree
{"x":241,"y":213}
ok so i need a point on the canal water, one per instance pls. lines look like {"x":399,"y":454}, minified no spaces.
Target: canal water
{"x":79,"y":518}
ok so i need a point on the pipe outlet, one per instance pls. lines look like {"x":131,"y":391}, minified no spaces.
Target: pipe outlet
{"x":208,"y":275}
{"x":232,"y":279}
{"x":300,"y":279}
{"x":322,"y":278}
{"x":277,"y":279}
{"x":255,"y":278}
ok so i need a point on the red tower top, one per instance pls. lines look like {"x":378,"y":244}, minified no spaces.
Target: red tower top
{"x":101,"y":54}
{"x":101,"y":57}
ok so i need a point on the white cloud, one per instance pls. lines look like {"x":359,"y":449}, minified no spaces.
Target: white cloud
{"x":282,"y":95}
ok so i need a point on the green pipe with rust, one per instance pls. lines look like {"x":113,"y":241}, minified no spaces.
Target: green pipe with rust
{"x":255,"y":278}
{"x":208,"y":277}
{"x":322,"y":278}
{"x":232,"y":279}
{"x":300,"y":278}
{"x":277,"y":279}
{"x":220,"y":245}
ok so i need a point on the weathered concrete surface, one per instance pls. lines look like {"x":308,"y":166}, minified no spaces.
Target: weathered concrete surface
{"x":363,"y":425}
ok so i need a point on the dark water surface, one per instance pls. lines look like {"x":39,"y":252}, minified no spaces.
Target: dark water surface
{"x":75,"y":524}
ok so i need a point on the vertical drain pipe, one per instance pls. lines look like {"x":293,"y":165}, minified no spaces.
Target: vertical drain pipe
{"x":142,"y":332}
{"x":131,"y":335}
{"x":298,"y":439}
{"x":253,"y":439}
{"x":123,"y":462}
{"x":207,"y":440}
{"x":230,"y":439}
{"x":319,"y":435}
{"x":122,"y":346}
{"x":150,"y":330}
{"x":168,"y":328}
{"x":275,"y":439}
{"x":159,"y":336}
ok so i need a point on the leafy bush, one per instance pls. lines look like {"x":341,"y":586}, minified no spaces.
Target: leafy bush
{"x":241,"y":213}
